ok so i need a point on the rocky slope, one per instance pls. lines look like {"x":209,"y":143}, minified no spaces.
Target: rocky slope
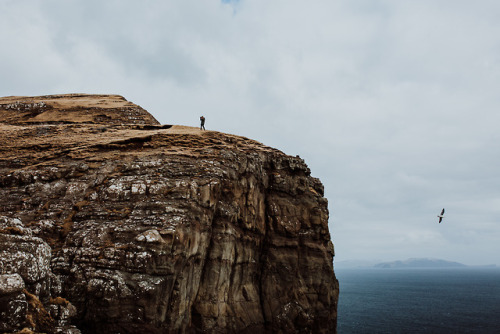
{"x":113,"y":223}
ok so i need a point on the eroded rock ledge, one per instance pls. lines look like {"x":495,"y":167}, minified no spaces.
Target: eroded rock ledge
{"x":116,"y":224}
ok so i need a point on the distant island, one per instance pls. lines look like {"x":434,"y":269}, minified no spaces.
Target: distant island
{"x":409,"y":263}
{"x":420,"y":263}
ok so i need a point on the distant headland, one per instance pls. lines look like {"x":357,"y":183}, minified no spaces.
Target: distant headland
{"x":420,"y":263}
{"x":409,"y":263}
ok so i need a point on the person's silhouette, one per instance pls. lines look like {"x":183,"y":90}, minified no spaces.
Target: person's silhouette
{"x":202,"y":120}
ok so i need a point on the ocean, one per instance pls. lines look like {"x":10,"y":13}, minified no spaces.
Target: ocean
{"x":465,"y":300}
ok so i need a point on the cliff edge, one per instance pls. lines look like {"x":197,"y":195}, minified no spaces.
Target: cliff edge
{"x":113,"y":223}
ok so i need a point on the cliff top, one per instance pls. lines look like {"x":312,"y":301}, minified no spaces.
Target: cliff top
{"x":73,"y":108}
{"x":40,"y":129}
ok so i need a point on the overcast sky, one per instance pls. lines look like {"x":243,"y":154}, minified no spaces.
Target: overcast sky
{"x":392,"y":103}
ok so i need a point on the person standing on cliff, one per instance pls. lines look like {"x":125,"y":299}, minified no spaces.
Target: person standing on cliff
{"x":202,"y":126}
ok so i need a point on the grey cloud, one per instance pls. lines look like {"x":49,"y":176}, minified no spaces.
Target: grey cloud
{"x":392,"y":104}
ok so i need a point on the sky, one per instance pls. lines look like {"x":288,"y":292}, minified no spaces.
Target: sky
{"x":393,"y":104}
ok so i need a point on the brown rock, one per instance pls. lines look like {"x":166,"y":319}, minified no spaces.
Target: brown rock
{"x":13,"y":305}
{"x":72,"y":108}
{"x":165,"y":229}
{"x":26,"y":280}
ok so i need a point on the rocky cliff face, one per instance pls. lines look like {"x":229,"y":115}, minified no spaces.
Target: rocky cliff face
{"x":113,"y":223}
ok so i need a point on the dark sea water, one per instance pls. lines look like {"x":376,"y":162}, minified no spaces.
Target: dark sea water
{"x":465,"y":300}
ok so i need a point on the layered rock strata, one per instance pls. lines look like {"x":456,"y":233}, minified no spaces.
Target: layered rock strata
{"x":134,"y":227}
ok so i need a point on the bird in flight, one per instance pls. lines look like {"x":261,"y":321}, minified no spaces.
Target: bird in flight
{"x":441,"y":216}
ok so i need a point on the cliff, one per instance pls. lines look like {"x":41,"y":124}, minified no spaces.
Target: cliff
{"x":113,"y":223}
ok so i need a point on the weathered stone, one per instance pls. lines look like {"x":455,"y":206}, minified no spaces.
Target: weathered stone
{"x":13,"y":226}
{"x":26,"y":255}
{"x":152,"y":236}
{"x":13,"y":311}
{"x":61,"y":310}
{"x":11,"y":283}
{"x":161,"y":229}
{"x":25,"y":279}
